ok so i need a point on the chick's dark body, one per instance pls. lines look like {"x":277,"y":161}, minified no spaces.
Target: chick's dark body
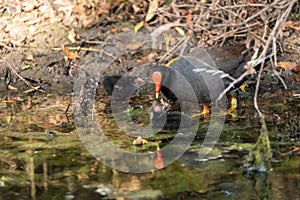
{"x":163,"y":119}
{"x":120,"y":86}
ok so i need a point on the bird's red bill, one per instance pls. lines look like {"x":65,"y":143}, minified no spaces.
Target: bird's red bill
{"x":159,"y":161}
{"x":157,"y":77}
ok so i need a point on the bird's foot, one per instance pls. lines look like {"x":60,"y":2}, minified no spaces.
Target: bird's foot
{"x":139,"y":141}
{"x":243,"y":87}
{"x":232,"y":110}
{"x":204,"y":113}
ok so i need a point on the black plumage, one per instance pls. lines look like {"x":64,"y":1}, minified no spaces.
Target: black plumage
{"x":163,"y":119}
{"x":208,"y":71}
{"x":109,"y":83}
{"x":121,"y":86}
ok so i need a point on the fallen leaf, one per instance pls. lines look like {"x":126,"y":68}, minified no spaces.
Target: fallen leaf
{"x":134,"y":46}
{"x":114,"y":30}
{"x":147,"y":59}
{"x":30,"y":58}
{"x":10,"y":87}
{"x":180,"y":31}
{"x":292,"y":24}
{"x":153,"y":5}
{"x":135,"y":8}
{"x":138,"y":26}
{"x":70,"y":55}
{"x":292,"y":66}
{"x":72,"y":36}
{"x":125,"y":29}
{"x":24,"y":67}
{"x":167,"y":40}
{"x":189,"y":20}
{"x":18,"y":32}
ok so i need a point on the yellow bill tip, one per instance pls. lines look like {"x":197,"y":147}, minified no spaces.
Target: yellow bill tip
{"x":156,"y":95}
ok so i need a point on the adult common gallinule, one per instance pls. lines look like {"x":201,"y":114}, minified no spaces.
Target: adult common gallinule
{"x":208,"y":70}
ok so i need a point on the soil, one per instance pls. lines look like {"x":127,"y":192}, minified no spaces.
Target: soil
{"x":48,"y":53}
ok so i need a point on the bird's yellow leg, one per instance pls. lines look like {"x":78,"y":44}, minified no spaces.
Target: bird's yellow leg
{"x":139,"y":141}
{"x":205,"y":112}
{"x":233,"y":105}
{"x":243,"y":87}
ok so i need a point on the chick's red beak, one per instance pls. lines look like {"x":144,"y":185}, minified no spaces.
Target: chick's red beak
{"x":157,"y":77}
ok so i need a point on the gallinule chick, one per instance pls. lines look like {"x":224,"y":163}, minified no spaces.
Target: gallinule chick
{"x":208,"y":70}
{"x":109,"y":83}
{"x":123,"y":85}
{"x":163,"y":119}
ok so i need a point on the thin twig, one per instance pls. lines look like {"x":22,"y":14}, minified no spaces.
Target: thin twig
{"x":20,"y":77}
{"x":275,"y":64}
{"x":15,"y":72}
{"x":272,"y":35}
{"x":181,"y":43}
{"x":231,"y":85}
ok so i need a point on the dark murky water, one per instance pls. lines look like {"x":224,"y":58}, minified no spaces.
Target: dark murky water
{"x":42,"y":156}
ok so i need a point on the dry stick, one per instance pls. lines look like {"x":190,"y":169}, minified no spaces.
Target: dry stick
{"x":233,"y":31}
{"x":272,"y":35}
{"x":231,"y":85}
{"x":239,"y":6}
{"x":76,"y":48}
{"x":232,"y":13}
{"x":275,"y":64}
{"x":246,"y":73}
{"x":20,"y":77}
{"x":258,"y":13}
{"x":14,"y":71}
{"x":182,"y":42}
{"x":266,"y":7}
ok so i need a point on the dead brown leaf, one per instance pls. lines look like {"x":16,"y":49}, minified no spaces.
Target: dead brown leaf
{"x":180,"y":31}
{"x":30,"y":57}
{"x":293,"y":25}
{"x":135,"y":8}
{"x":125,"y":29}
{"x":134,"y":46}
{"x":70,"y":55}
{"x":152,"y":10}
{"x":72,"y":35}
{"x":18,"y":32}
{"x":10,"y":87}
{"x":150,"y":58}
{"x":189,"y":20}
{"x":291,"y":66}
